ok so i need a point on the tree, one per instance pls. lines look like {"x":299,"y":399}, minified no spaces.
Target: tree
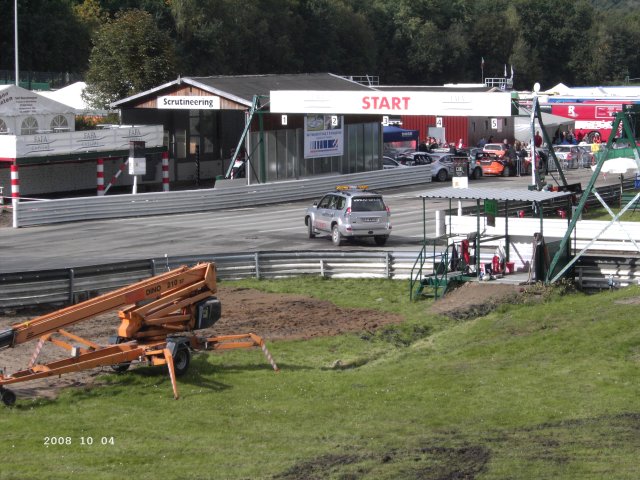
{"x":50,"y":38}
{"x":130,"y":55}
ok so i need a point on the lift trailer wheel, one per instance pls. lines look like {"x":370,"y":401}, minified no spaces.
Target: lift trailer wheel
{"x":8,"y":397}
{"x":181,"y":360}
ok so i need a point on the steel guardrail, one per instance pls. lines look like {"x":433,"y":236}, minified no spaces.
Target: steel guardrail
{"x":190,"y":201}
{"x":70,"y":285}
{"x":66,"y":286}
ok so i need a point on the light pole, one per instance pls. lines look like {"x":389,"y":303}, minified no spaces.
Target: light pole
{"x":534,"y":106}
{"x":15,"y":33}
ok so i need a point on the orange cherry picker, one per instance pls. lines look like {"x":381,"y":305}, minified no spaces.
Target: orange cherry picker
{"x":158,"y":320}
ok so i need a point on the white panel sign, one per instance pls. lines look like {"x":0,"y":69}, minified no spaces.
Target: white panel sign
{"x":181,"y":102}
{"x":484,"y":104}
{"x":284,"y":119}
{"x":438,"y":122}
{"x":137,"y":166}
{"x":323,"y":136}
{"x":494,"y":123}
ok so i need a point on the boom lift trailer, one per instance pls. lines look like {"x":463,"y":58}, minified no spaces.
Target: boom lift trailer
{"x":158,"y":320}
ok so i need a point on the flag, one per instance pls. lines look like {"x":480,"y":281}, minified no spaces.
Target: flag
{"x":511,"y":72}
{"x":481,"y":62}
{"x":505,"y":70}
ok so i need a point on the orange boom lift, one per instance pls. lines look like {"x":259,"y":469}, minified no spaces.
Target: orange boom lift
{"x":158,"y":320}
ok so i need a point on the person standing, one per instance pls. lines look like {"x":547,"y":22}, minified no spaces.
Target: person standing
{"x":538,"y":139}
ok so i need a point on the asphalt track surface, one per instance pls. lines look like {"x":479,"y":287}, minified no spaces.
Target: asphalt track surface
{"x":261,"y":228}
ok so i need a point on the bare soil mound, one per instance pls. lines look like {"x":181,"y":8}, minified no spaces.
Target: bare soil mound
{"x":272,"y":316}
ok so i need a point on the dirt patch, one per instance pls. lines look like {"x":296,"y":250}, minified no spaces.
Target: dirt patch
{"x":432,"y":462}
{"x":272,"y":316}
{"x":473,"y":299}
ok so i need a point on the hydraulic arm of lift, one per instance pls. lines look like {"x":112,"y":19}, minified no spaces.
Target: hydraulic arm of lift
{"x":158,"y":318}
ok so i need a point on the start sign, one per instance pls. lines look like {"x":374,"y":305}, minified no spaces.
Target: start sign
{"x":358,"y":102}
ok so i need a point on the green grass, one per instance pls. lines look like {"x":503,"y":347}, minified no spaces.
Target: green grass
{"x":529,"y":391}
{"x":600,"y":213}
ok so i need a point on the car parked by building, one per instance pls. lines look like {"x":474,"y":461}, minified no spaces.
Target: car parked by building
{"x":441,"y":163}
{"x":494,"y":164}
{"x":498,"y":149}
{"x":350,"y":212}
{"x":388,"y":162}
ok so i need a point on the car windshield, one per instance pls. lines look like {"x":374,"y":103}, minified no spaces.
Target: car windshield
{"x":367,"y":204}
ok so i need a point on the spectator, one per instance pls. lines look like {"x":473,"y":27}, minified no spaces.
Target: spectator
{"x":482,"y":142}
{"x":538,"y":139}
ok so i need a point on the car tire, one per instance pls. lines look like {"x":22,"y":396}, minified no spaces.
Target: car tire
{"x":380,"y":240}
{"x":506,"y":171}
{"x":312,"y":233}
{"x":336,"y":236}
{"x":442,"y":175}
{"x":477,"y":173}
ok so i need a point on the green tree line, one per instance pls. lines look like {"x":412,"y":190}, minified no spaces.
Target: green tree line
{"x":122,"y":47}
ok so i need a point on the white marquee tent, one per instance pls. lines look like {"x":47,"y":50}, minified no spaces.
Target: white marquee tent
{"x":23,"y":112}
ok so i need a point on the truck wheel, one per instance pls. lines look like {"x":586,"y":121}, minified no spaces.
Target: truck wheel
{"x":8,"y":397}
{"x":380,"y":240}
{"x":336,"y":236}
{"x":312,"y":233}
{"x":181,"y":360}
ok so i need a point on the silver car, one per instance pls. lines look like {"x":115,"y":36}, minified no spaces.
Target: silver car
{"x":350,"y":212}
{"x":570,"y":156}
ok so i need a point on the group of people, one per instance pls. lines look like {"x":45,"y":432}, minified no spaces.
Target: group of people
{"x":431,"y":143}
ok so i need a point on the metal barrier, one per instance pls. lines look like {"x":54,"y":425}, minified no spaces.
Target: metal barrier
{"x":121,"y":206}
{"x":70,"y":285}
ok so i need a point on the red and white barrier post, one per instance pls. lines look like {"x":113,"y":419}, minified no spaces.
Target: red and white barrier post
{"x":165,"y":171}
{"x":15,"y":192}
{"x":100,"y":176}
{"x":114,"y":179}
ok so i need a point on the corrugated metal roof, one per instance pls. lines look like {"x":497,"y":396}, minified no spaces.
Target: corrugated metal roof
{"x":499,"y":194}
{"x":246,"y":86}
{"x":242,"y":88}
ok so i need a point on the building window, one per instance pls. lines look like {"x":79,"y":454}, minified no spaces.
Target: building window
{"x":3,"y":126}
{"x":59,"y":123}
{"x":29,"y":126}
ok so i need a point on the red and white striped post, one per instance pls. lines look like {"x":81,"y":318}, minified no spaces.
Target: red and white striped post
{"x":15,"y":192}
{"x":114,"y":179}
{"x":100,"y":176}
{"x":165,"y":171}
{"x":15,"y":181}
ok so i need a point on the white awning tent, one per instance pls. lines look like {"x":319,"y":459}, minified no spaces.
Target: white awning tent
{"x":25,"y":112}
{"x":522,"y":125}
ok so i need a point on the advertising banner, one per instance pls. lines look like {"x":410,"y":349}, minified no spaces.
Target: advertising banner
{"x":70,"y":143}
{"x":323,"y":136}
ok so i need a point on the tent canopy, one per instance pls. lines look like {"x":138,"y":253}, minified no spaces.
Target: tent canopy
{"x":397,"y":134}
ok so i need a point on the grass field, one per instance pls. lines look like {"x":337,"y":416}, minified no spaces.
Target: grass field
{"x":529,"y":391}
